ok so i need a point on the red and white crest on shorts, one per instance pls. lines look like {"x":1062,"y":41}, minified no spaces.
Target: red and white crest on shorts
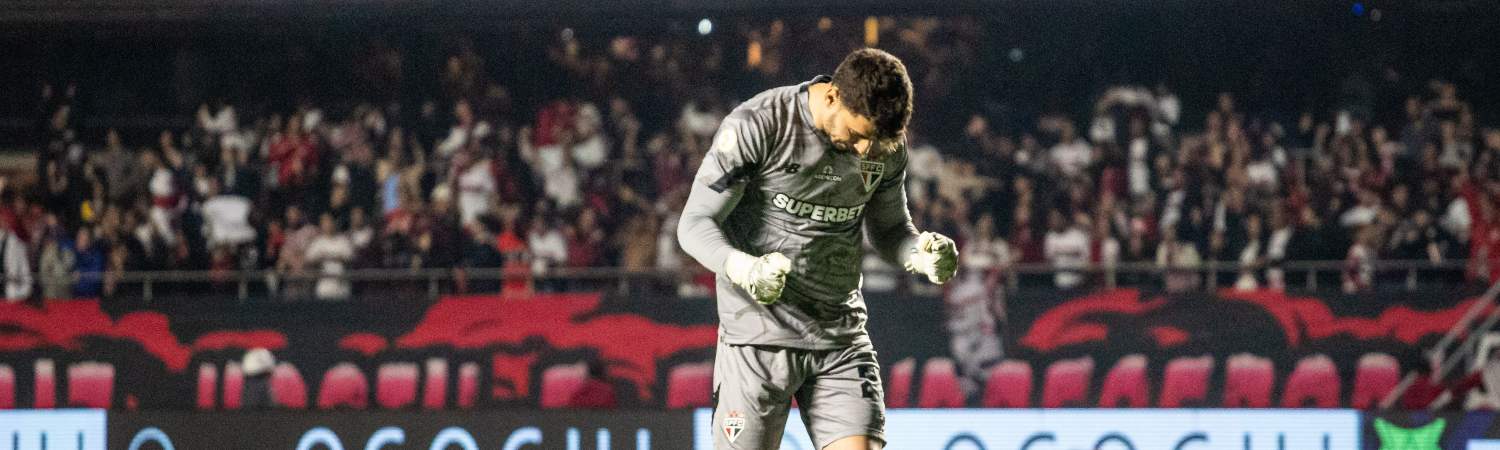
{"x":734,"y":424}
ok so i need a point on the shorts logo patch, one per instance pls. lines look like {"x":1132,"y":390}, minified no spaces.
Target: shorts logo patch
{"x":871,"y":172}
{"x":734,"y":424}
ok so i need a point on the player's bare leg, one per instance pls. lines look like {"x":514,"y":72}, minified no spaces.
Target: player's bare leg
{"x":855,"y":443}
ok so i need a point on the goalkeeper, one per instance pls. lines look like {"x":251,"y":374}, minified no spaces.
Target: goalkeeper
{"x":776,"y":211}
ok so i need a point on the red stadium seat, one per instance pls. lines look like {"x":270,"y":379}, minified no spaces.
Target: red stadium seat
{"x":468,"y":385}
{"x":208,"y":385}
{"x":1248,"y":381}
{"x":91,"y":385}
{"x":1185,"y":382}
{"x":1126,"y":384}
{"x":1068,"y":382}
{"x":344,"y":386}
{"x":940,"y":385}
{"x":1376,"y":375}
{"x":1315,"y":381}
{"x":7,"y":387}
{"x":690,"y":385}
{"x":1008,"y":386}
{"x":435,"y":389}
{"x":45,"y":395}
{"x":898,"y":388}
{"x":234,"y":386}
{"x":287,"y":388}
{"x":396,"y":385}
{"x":560,"y":382}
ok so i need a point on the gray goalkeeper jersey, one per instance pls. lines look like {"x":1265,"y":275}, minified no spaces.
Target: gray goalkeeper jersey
{"x":771,"y":182}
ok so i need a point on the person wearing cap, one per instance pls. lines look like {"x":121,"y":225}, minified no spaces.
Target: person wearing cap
{"x":257,"y":364}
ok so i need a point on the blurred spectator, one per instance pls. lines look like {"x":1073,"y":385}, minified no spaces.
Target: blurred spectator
{"x":293,"y":251}
{"x":17,"y":266}
{"x":548,"y":246}
{"x":90,"y":263}
{"x":466,"y":129}
{"x":226,"y":217}
{"x":331,"y":251}
{"x":257,"y":365}
{"x":56,"y":266}
{"x":1067,"y":249}
{"x":1179,"y":260}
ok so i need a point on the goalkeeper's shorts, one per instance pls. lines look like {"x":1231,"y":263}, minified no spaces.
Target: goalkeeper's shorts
{"x":839,"y":393}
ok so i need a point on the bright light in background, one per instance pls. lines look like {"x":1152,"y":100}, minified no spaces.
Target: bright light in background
{"x":705,"y":26}
{"x":872,"y":31}
{"x":1016,"y":54}
{"x":1358,"y":9}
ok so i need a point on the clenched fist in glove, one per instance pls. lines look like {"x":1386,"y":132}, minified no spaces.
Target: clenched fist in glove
{"x":935,"y":256}
{"x":763,"y":277}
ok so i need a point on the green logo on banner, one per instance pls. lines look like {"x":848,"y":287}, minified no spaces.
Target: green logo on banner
{"x":1393,"y":437}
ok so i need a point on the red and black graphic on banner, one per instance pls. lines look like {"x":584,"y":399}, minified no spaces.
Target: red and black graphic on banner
{"x":1123,"y":348}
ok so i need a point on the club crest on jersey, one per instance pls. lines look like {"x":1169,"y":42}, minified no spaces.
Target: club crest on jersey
{"x":734,"y":424}
{"x":871,"y":171}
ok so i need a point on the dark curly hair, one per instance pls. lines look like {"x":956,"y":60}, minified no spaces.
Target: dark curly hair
{"x":874,"y":84}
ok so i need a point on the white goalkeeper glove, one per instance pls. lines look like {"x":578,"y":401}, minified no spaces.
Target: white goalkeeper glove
{"x":935,"y":256}
{"x":763,"y":277}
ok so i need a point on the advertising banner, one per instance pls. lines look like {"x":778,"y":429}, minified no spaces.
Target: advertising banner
{"x":386,"y":430}
{"x":1428,"y":431}
{"x":1100,"y":429}
{"x":1107,"y":348}
{"x":63,"y":429}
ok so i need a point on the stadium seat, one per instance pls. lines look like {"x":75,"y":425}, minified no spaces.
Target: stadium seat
{"x":234,"y":386}
{"x":1008,"y":386}
{"x":1185,"y":382}
{"x":7,"y":387}
{"x":1068,"y":383}
{"x":1126,"y":384}
{"x":1248,"y":381}
{"x":91,"y":385}
{"x":208,"y":385}
{"x":940,"y":385}
{"x":898,"y":386}
{"x":690,"y":385}
{"x":435,"y":386}
{"x":45,"y":395}
{"x":1375,"y":376}
{"x":468,"y":384}
{"x":344,"y":386}
{"x":287,"y":388}
{"x":1315,"y":382}
{"x":560,"y":382}
{"x":396,"y":385}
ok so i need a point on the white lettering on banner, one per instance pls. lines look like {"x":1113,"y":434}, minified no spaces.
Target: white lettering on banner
{"x":65,"y":429}
{"x":386,"y":436}
{"x":325,"y":438}
{"x":1484,"y":444}
{"x":1135,"y":429}
{"x":454,"y":435}
{"x":523,"y":436}
{"x":153,"y":435}
{"x":319,"y":435}
{"x":601,"y":438}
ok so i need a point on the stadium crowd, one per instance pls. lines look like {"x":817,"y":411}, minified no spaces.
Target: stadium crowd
{"x":470,"y":177}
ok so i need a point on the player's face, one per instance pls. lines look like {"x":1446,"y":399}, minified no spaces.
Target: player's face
{"x":852,"y":132}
